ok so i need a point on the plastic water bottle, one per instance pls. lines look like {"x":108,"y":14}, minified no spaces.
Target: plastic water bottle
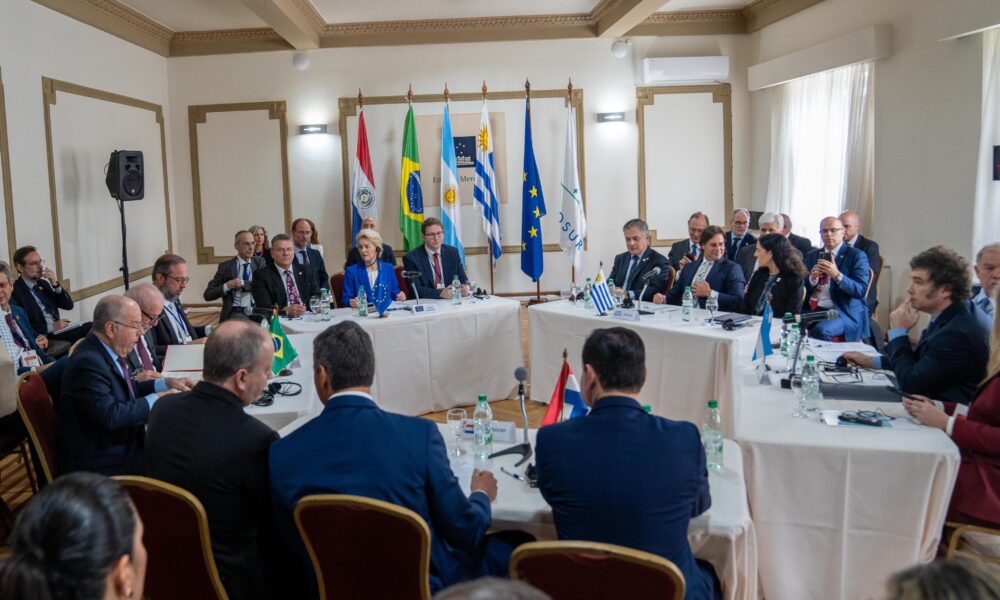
{"x":456,"y":291}
{"x":784,"y":336}
{"x":687,"y":304}
{"x":611,"y":287}
{"x":588,"y":300}
{"x":711,"y":436}
{"x":325,"y":299}
{"x":362,"y":303}
{"x":482,"y":423}
{"x":793,"y":342}
{"x":811,"y":393}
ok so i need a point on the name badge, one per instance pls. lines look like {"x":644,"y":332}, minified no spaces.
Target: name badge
{"x":626,"y":314}
{"x":29,"y":358}
{"x":424,"y":308}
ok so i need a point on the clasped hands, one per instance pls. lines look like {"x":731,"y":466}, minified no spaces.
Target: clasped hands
{"x":399,"y":298}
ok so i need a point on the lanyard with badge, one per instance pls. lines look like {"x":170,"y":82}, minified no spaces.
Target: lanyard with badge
{"x":179,"y":326}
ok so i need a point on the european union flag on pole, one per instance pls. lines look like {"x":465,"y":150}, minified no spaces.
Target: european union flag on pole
{"x":532,"y":206}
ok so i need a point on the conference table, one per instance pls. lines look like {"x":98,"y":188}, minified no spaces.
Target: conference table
{"x":688,"y":363}
{"x":723,"y":535}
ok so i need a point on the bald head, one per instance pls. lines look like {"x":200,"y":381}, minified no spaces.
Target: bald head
{"x":238,"y":357}
{"x":852,"y":224}
{"x":118,"y":322}
{"x":149,"y":299}
{"x":831,"y":231}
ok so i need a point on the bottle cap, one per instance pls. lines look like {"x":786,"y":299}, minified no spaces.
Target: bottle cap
{"x":788,"y":315}
{"x":810,"y":358}
{"x":647,"y":408}
{"x":482,"y":397}
{"x":588,"y":280}
{"x":687,"y":288}
{"x":713,"y":404}
{"x":795,"y":326}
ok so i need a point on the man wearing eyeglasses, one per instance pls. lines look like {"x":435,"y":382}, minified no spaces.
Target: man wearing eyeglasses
{"x":838,"y":279}
{"x":233,"y":277}
{"x":170,"y":276}
{"x":739,"y":236}
{"x":39,"y":293}
{"x":437,"y":262}
{"x":103,"y":410}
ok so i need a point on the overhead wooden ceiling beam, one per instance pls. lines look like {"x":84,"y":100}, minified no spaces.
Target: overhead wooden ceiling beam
{"x":297,"y":21}
{"x":625,"y":16}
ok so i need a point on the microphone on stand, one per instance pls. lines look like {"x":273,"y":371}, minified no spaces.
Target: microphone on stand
{"x":411,"y":276}
{"x":524,"y":448}
{"x":812,"y":317}
{"x":645,"y":279}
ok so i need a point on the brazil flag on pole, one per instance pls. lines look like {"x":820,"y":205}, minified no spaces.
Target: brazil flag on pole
{"x":411,"y":200}
{"x":284,"y":353}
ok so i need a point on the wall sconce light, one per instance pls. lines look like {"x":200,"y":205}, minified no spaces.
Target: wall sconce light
{"x":612,"y":117}
{"x":304,"y":129}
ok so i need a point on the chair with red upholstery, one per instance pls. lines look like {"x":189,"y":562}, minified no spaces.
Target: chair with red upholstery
{"x":365,"y":548}
{"x":176,"y":536}
{"x":337,"y":287}
{"x":403,"y":284}
{"x":39,"y":415}
{"x":590,"y":570}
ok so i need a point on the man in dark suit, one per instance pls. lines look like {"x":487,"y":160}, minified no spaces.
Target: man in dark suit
{"x":103,"y":409}
{"x":437,"y":262}
{"x":746,"y":258}
{"x":38,"y":292}
{"x":170,"y":276}
{"x":949,"y":363}
{"x":589,"y":475}
{"x":802,"y":244}
{"x":286,"y":285}
{"x":685,"y":251}
{"x":354,"y":257}
{"x":354,"y":447}
{"x":632,"y":269}
{"x":739,"y":236}
{"x":838,"y":279}
{"x":854,"y":239}
{"x":308,"y":256}
{"x":233,"y":277}
{"x":143,"y":358}
{"x":710,"y":275}
{"x":204,"y":442}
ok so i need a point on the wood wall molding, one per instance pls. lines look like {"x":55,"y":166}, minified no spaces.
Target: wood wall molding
{"x":700,"y":22}
{"x":8,"y":195}
{"x":276,"y":110}
{"x":761,"y":13}
{"x":50,"y":90}
{"x":117,"y":19}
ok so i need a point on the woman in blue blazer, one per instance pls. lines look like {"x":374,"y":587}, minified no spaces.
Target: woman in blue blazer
{"x":372,"y":275}
{"x":22,"y":333}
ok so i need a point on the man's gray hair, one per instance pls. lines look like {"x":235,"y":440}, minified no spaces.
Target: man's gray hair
{"x":772,"y":217}
{"x":143,"y":294}
{"x":109,"y":310}
{"x":492,"y":588}
{"x":5,"y":269}
{"x":232,"y":346}
{"x":345,"y":350}
{"x":991,"y":247}
{"x":699,"y":215}
{"x":737,"y":211}
{"x":636,"y":224}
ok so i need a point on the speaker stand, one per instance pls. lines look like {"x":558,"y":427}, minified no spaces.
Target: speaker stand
{"x":124,"y":267}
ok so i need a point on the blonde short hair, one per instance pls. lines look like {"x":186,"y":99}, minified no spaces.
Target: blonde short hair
{"x":371,"y":235}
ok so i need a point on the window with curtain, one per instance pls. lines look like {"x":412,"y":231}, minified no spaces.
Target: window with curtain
{"x":821,"y":147}
{"x":986,"y":226}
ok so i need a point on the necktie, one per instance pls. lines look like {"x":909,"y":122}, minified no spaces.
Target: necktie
{"x":694,"y":250}
{"x":293,"y":293}
{"x":305,"y":257}
{"x":438,"y":278}
{"x":246,"y":272}
{"x":736,"y":247}
{"x":147,"y":363}
{"x":14,"y":332}
{"x":125,"y":374}
{"x":46,"y":305}
{"x":632,"y":270}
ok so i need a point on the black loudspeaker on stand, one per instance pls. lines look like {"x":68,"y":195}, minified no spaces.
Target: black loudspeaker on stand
{"x":126,"y":182}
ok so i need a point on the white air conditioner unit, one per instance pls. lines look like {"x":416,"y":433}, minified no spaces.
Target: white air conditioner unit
{"x":685,"y":69}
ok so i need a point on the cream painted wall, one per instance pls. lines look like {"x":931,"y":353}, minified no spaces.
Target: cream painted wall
{"x":927,"y":115}
{"x":37,"y":42}
{"x":611,"y":150}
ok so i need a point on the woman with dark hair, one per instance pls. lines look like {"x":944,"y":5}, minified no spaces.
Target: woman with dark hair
{"x":79,"y":538}
{"x":779,"y":278}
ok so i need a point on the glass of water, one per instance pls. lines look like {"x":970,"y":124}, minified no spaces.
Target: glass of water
{"x":574,"y":291}
{"x":316,"y":306}
{"x":472,"y":289}
{"x":712,"y":305}
{"x":456,"y":421}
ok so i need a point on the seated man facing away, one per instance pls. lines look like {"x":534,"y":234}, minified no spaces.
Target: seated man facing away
{"x":949,"y":362}
{"x":712,"y":275}
{"x":838,"y":279}
{"x":204,"y":442}
{"x":621,"y":476}
{"x":354,"y":447}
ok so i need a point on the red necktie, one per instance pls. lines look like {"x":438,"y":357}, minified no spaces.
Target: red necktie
{"x":438,"y":279}
{"x":147,"y":364}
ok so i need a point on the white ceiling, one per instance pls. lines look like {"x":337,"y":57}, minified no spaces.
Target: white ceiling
{"x":675,"y":5}
{"x":197,"y":15}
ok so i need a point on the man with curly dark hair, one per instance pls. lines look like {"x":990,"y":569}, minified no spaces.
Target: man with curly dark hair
{"x":949,"y":362}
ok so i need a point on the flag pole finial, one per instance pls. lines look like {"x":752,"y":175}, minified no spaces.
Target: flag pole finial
{"x":527,"y":91}
{"x":361,"y":99}
{"x":446,"y":91}
{"x":409,"y":94}
{"x":484,"y":89}
{"x":565,"y":354}
{"x":569,"y":92}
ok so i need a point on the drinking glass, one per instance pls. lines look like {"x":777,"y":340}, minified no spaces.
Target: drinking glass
{"x":574,"y":291}
{"x":315,"y":306}
{"x":712,"y":305}
{"x":619,"y":296}
{"x":472,"y":289}
{"x":456,"y":421}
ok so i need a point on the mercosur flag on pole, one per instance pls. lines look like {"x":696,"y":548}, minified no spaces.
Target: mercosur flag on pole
{"x":411,"y":199}
{"x":485,"y":191}
{"x":572,"y":220}
{"x":451,"y":215}
{"x":363,"y":200}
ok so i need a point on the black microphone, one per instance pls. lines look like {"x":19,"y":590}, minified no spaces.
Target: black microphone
{"x":410,"y":274}
{"x":651,"y":274}
{"x":521,"y":374}
{"x":813,"y":317}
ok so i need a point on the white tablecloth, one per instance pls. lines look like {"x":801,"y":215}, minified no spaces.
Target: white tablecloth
{"x":723,"y":535}
{"x":839,"y":509}
{"x":434,"y":361}
{"x":688,"y":363}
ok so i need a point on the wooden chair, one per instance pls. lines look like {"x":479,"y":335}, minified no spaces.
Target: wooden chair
{"x":40,"y":419}
{"x":589,"y":570}
{"x":72,"y":348}
{"x":176,"y":536}
{"x":337,"y":287}
{"x":671,"y":277}
{"x":968,"y":541}
{"x":365,"y":548}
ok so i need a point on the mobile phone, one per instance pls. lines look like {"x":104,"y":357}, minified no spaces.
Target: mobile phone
{"x":899,"y":392}
{"x":859,"y":420}
{"x":689,"y":256}
{"x":826,"y":256}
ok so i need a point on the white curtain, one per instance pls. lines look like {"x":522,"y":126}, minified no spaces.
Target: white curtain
{"x":986,"y":226}
{"x":822,"y":147}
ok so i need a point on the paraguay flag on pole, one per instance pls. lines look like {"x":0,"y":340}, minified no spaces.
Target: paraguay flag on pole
{"x":451,"y":215}
{"x":363,"y":200}
{"x":572,"y":220}
{"x":411,"y":199}
{"x":568,"y":391}
{"x":532,"y":207}
{"x":485,"y":191}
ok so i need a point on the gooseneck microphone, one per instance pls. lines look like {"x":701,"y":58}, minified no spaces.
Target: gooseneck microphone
{"x":524,"y":448}
{"x":653,"y":273}
{"x":813,"y":317}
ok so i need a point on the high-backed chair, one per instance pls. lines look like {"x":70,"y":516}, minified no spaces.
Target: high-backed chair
{"x":337,"y":287}
{"x":671,"y":277}
{"x":176,"y":536}
{"x":589,"y":570}
{"x":365,"y":548}
{"x":404,"y":285}
{"x":39,"y":415}
{"x":973,"y":541}
{"x":14,"y":440}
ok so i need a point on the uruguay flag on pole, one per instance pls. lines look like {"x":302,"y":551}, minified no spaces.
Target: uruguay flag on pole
{"x":568,"y":391}
{"x":451,"y":216}
{"x":363,"y":199}
{"x":763,"y":347}
{"x":532,"y":207}
{"x":601,"y":295}
{"x":411,"y":198}
{"x":485,"y":191}
{"x":572,"y":220}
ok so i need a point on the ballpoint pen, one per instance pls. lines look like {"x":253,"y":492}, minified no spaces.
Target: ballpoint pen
{"x":514,"y":475}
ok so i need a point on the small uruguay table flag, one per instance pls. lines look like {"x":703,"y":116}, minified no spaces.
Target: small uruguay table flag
{"x":763,"y":348}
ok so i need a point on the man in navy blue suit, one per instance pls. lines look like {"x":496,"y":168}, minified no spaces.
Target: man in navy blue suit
{"x":838,"y":279}
{"x":632,"y":268}
{"x":949,"y":362}
{"x":739,"y":236}
{"x":103,"y":409}
{"x":437,"y":262}
{"x":711,"y":275}
{"x":354,"y":447}
{"x":305,"y":254}
{"x":622,"y":476}
{"x":41,"y":296}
